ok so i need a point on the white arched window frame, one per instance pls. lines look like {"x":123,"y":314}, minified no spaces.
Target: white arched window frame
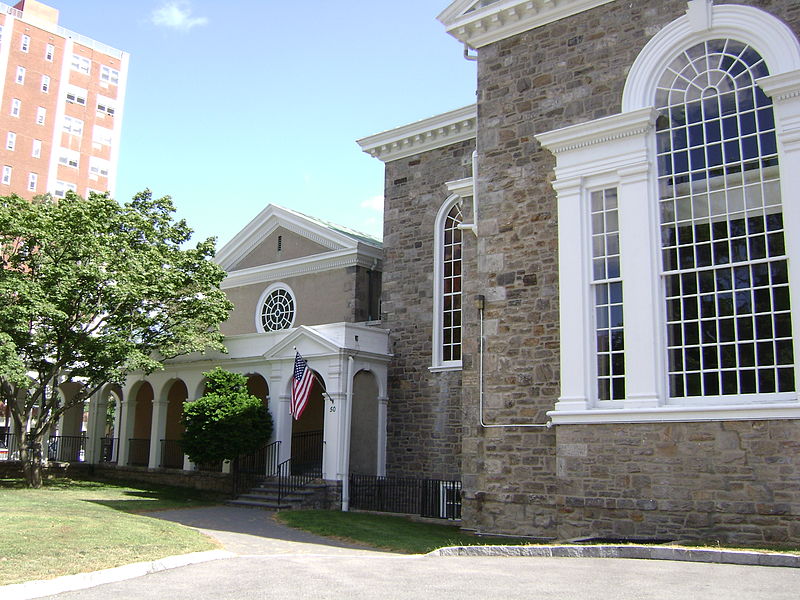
{"x":618,"y":152}
{"x":283,"y":307}
{"x":447,"y":323}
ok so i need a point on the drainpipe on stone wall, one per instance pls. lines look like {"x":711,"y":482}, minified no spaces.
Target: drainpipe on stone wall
{"x":473,"y":227}
{"x":480,"y":302}
{"x":467,"y":55}
{"x":346,"y":450}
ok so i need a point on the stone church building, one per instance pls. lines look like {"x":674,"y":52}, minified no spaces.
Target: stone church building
{"x":588,"y":274}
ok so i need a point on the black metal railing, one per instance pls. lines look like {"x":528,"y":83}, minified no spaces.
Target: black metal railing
{"x":437,"y":498}
{"x":109,"y":449}
{"x":66,"y":448}
{"x":289,"y":478}
{"x":9,"y":446}
{"x":307,"y":453}
{"x":171,"y":454}
{"x":138,"y":452}
{"x":248,"y":469}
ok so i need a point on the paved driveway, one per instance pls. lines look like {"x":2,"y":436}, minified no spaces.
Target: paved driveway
{"x":273,"y":561}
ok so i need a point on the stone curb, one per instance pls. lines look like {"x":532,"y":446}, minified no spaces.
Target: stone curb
{"x":81,"y":581}
{"x":705,"y":555}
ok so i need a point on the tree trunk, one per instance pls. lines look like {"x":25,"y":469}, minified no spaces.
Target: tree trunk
{"x":30,"y":453}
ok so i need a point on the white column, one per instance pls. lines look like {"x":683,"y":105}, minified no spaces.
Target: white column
{"x":784,"y":89}
{"x":641,"y":296}
{"x":158,"y":429}
{"x":125,"y":431}
{"x":574,"y":309}
{"x":116,"y":440}
{"x":283,"y":426}
{"x":95,"y":428}
{"x":383,"y":411}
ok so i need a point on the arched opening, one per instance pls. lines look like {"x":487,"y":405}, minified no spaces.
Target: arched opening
{"x":257,"y":386}
{"x":139,"y":443}
{"x":307,"y":433}
{"x":109,"y":442}
{"x":364,"y":425}
{"x":171,"y":450}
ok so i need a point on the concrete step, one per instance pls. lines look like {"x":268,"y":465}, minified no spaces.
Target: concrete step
{"x":266,"y":505}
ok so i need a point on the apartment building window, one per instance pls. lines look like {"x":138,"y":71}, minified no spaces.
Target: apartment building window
{"x":105,"y":107}
{"x":69,"y":158}
{"x":16,"y":106}
{"x":102,"y":135}
{"x":76,"y":95}
{"x":45,"y":83}
{"x":73,"y":126}
{"x":33,"y":180}
{"x":62,"y":187}
{"x":36,"y":150}
{"x":20,"y":75}
{"x":41,"y":115}
{"x":25,"y":43}
{"x":81,"y":64}
{"x":6,"y":175}
{"x":11,"y":140}
{"x":109,"y":75}
{"x":98,"y":167}
{"x":49,"y":52}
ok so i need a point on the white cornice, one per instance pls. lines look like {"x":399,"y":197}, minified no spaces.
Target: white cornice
{"x":782,"y":86}
{"x":599,"y":131}
{"x":435,"y":132}
{"x":478,"y":27}
{"x":364,"y":256}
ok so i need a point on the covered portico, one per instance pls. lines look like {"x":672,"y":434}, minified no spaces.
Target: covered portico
{"x":350,"y":365}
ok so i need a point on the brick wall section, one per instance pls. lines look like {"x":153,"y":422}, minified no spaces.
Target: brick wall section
{"x":568,"y":72}
{"x":424,"y":411}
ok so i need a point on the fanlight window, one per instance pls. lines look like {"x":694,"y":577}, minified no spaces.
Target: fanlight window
{"x":451,"y":289}
{"x":724,"y":265}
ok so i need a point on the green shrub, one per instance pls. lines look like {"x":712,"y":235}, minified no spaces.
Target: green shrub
{"x":226,"y":422}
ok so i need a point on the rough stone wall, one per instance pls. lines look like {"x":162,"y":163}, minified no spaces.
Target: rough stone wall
{"x":566,"y":72}
{"x":728,"y":481}
{"x":424,"y":410}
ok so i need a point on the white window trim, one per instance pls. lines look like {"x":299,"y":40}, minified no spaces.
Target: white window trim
{"x":619,"y":150}
{"x":271,"y":288}
{"x":437,"y":364}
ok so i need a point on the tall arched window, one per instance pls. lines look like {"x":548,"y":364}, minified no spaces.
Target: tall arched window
{"x":724,"y":264}
{"x":447,"y":286}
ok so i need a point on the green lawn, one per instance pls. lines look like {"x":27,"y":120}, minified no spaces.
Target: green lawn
{"x":397,"y":534}
{"x":72,"y":527}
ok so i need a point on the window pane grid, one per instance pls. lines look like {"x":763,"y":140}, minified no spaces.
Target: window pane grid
{"x":722,"y":232}
{"x":451,"y":288}
{"x":277,"y":312}
{"x":607,"y":288}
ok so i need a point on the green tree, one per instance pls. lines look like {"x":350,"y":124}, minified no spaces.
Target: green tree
{"x":226,"y":421}
{"x":91,"y":290}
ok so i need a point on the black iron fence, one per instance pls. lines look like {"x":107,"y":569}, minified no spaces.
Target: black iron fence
{"x":66,"y":448}
{"x":289,"y":478}
{"x":437,"y":498}
{"x":307,"y":454}
{"x":248,"y":469}
{"x":138,"y":452}
{"x":9,"y":446}
{"x":171,"y":454}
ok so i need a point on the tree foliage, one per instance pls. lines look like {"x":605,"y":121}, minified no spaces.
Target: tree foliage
{"x":91,"y":290}
{"x":226,"y":421}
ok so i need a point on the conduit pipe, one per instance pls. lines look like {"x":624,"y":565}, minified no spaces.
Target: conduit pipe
{"x":480,"y":302}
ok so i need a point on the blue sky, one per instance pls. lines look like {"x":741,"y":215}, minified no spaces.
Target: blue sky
{"x":234,"y":105}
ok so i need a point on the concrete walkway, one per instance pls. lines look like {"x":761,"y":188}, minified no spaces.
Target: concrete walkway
{"x":264,"y":559}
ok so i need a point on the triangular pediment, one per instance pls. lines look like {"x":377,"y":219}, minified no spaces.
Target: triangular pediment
{"x":258,"y":243}
{"x":304,"y":340}
{"x":481,"y":22}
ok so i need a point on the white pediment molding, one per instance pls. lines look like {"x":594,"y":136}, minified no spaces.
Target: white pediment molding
{"x":435,"y":132}
{"x":306,"y":341}
{"x":363,"y":256}
{"x":267,"y":221}
{"x":482,"y":22}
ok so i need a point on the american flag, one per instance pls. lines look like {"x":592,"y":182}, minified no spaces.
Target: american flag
{"x":302,"y":382}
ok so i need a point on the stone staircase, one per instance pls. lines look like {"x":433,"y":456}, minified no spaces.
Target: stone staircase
{"x":265,"y":496}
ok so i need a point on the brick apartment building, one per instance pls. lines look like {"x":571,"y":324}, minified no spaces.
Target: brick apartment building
{"x":62,"y":103}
